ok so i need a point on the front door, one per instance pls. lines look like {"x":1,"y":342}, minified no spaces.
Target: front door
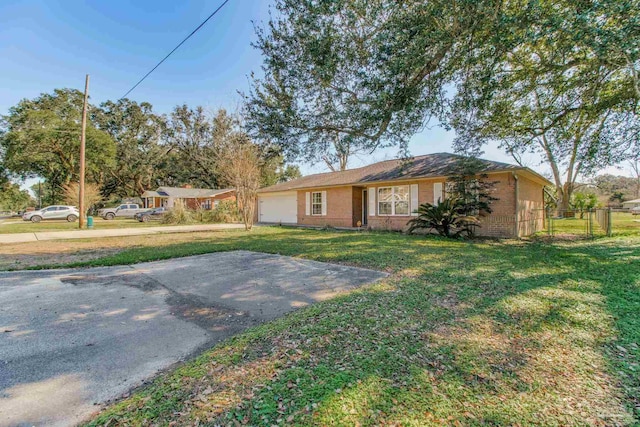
{"x":365,"y":206}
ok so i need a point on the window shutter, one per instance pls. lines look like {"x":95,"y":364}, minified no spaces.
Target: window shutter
{"x":414,"y":200}
{"x":437,"y":193}
{"x":324,"y":203}
{"x":307,"y":210}
{"x":372,"y":201}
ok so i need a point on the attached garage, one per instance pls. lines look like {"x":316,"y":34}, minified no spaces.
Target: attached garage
{"x":278,"y":207}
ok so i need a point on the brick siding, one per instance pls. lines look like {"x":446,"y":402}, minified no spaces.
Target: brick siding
{"x":339,"y":204}
{"x":344,"y":206}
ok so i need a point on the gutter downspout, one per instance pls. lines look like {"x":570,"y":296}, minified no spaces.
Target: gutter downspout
{"x":517,"y":206}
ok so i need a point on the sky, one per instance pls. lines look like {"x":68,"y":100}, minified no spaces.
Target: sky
{"x":48,"y":44}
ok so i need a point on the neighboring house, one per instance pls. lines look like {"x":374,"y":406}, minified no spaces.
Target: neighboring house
{"x":194,"y":198}
{"x":630,"y":204}
{"x":385,"y":195}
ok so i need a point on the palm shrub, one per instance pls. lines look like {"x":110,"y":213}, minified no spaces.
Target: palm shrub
{"x":449,"y":218}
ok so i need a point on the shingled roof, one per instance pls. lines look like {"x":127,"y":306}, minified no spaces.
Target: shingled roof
{"x":190,"y":193}
{"x":427,"y":166}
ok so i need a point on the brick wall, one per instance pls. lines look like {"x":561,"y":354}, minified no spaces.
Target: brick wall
{"x":339,"y":212}
{"x":384,"y":222}
{"x":531,"y":207}
{"x":200,"y":202}
{"x":344,"y":207}
{"x":501,"y":221}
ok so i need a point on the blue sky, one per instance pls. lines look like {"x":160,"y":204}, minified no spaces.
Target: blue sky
{"x":48,"y":44}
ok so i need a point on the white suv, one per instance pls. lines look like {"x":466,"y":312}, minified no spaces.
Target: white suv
{"x":635,"y":210}
{"x":70,"y":213}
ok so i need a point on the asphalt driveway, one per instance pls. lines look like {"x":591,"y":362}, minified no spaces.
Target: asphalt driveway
{"x":73,"y":339}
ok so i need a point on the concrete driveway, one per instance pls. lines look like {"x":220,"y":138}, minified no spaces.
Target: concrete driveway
{"x":71,"y":339}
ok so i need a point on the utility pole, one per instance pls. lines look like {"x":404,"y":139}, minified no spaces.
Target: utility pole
{"x":81,"y":206}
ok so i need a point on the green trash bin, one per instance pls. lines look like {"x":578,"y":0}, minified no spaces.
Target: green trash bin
{"x":89,"y":222}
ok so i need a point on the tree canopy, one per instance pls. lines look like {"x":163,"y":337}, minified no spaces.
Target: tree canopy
{"x":41,"y":137}
{"x":130,"y":148}
{"x":137,"y":132}
{"x":345,"y":76}
{"x":357,"y":75}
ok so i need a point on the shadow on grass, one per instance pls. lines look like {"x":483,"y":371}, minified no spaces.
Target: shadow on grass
{"x":465,"y":333}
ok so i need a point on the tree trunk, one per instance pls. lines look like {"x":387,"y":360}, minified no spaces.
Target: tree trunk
{"x":564,"y":196}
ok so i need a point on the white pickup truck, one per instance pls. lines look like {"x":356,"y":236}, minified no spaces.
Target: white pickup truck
{"x":123,"y":211}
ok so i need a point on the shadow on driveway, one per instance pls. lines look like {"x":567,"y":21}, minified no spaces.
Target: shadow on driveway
{"x":71,"y":339}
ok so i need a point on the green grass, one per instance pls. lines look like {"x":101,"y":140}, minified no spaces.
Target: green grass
{"x":624,"y":224}
{"x":15,"y":225}
{"x":461,"y":333}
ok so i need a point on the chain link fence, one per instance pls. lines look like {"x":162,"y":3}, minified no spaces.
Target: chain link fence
{"x":576,"y":223}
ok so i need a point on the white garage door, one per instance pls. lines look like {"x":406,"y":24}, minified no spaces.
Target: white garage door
{"x":278,"y":208}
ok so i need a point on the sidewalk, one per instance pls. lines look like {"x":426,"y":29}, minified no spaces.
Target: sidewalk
{"x":116,"y":232}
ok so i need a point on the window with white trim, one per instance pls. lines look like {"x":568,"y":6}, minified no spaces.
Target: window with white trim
{"x":316,"y":203}
{"x":394,"y":200}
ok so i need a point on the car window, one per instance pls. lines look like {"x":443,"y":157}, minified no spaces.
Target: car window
{"x":63,"y":208}
{"x":51,"y":208}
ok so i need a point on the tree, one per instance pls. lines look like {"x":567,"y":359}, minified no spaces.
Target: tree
{"x":137,"y":133}
{"x":469,"y":185}
{"x":583,"y":202}
{"x":554,"y":116}
{"x":195,"y":140}
{"x":242,"y":170}
{"x":617,"y":198}
{"x":568,"y":90}
{"x":275,"y":169}
{"x":635,"y":168}
{"x":12,"y":198}
{"x":622,"y":187}
{"x":43,"y":194}
{"x":92,"y":195}
{"x":370,"y":73}
{"x":347,"y":76}
{"x":41,"y":137}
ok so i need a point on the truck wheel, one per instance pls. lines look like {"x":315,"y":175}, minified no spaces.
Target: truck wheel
{"x":72,"y":218}
{"x":109,"y":216}
{"x":36,"y":218}
{"x":145,"y":218}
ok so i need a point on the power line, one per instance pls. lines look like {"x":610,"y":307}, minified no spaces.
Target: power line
{"x":175,"y":48}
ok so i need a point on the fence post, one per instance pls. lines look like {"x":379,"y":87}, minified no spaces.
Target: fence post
{"x":609,"y":224}
{"x":548,"y":211}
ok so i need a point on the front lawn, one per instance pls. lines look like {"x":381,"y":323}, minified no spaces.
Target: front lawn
{"x":462,"y":333}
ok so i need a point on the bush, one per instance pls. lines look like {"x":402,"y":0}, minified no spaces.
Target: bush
{"x":225,"y":212}
{"x":448,"y":218}
{"x":178,"y":214}
{"x":582,"y":202}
